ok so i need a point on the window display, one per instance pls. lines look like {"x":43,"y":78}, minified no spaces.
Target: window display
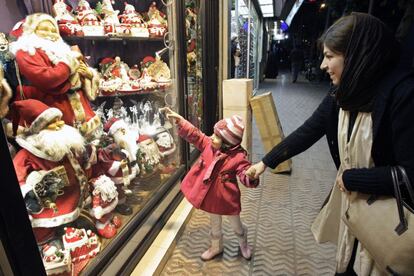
{"x":245,"y":26}
{"x":92,"y":146}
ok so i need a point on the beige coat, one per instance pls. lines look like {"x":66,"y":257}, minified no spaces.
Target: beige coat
{"x":328,"y":225}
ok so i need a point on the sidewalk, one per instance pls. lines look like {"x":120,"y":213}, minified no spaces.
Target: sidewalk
{"x":279,"y":212}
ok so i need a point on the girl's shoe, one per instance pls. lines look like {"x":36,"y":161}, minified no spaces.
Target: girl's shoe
{"x":215,"y":249}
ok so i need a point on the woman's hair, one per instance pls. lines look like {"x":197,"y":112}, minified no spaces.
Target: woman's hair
{"x":337,"y":36}
{"x":370,"y":51}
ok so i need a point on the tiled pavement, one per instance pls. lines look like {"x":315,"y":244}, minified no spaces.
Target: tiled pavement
{"x":279,"y":212}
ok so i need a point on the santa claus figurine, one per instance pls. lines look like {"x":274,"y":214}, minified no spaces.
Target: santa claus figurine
{"x":58,"y":75}
{"x":52,"y":180}
{"x":104,"y":201}
{"x":111,"y":21}
{"x":113,"y":162}
{"x":123,"y":137}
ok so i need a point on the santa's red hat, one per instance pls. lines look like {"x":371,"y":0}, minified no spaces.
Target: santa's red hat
{"x":143,"y":138}
{"x":230,"y":130}
{"x":17,"y":30}
{"x":34,"y":114}
{"x":113,"y":125}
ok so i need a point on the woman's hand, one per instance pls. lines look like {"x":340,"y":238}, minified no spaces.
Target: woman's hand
{"x":171,"y":115}
{"x":256,"y":170}
{"x":341,"y":185}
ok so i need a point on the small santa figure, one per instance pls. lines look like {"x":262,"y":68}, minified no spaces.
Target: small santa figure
{"x":59,"y":77}
{"x":111,"y":21}
{"x":126,"y":139}
{"x":52,"y":178}
{"x":148,"y":155}
{"x":112,"y":161}
{"x":68,"y":24}
{"x":104,"y":201}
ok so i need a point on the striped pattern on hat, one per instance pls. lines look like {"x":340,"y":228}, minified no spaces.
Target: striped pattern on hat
{"x":230,"y":130}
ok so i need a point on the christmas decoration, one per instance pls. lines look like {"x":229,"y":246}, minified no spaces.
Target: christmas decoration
{"x":80,"y":243}
{"x":55,"y":259}
{"x":104,"y":201}
{"x":157,"y":25}
{"x":134,"y":21}
{"x":68,"y":24}
{"x":49,"y":144}
{"x":90,"y":23}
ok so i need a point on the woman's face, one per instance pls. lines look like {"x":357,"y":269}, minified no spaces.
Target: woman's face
{"x":216,"y":141}
{"x":333,"y":64}
{"x":47,"y":30}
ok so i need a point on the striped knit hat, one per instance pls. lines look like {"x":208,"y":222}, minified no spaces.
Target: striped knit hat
{"x":230,"y":130}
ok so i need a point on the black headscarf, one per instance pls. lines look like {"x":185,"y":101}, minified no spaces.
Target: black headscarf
{"x":372,"y":50}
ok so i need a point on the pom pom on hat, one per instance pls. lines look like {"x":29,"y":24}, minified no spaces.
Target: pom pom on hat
{"x":230,"y":130}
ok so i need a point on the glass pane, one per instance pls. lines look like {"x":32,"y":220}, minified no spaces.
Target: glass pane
{"x":194,"y":62}
{"x":244,"y":39}
{"x":92,"y":145}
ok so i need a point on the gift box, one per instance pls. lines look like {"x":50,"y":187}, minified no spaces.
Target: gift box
{"x":237,"y":92}
{"x":270,"y":129}
{"x":236,"y":97}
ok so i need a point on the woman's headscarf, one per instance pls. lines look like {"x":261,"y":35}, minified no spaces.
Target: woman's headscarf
{"x":372,"y":50}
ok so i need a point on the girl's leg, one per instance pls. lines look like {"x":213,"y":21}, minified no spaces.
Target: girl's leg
{"x":216,"y":235}
{"x":215,"y":221}
{"x":241,"y":233}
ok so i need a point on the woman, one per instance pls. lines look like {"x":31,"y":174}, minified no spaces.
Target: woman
{"x":367,"y":120}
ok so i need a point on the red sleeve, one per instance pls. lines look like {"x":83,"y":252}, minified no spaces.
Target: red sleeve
{"x":23,"y":166}
{"x":243,"y":165}
{"x":41,"y":73}
{"x":192,"y":135}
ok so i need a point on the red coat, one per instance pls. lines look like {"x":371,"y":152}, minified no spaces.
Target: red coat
{"x":211,"y":184}
{"x":50,"y":84}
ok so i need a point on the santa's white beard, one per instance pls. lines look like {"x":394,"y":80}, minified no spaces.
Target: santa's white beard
{"x":127,"y":142}
{"x":57,"y":143}
{"x":31,"y":42}
{"x":105,"y":188}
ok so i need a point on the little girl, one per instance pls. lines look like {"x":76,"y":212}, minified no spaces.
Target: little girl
{"x":211,"y":183}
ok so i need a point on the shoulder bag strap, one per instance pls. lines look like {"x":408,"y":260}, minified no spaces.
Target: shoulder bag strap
{"x":402,"y":226}
{"x":406,"y":181}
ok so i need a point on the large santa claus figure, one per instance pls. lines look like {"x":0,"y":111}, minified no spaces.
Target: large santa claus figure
{"x":58,"y":76}
{"x":51,"y":177}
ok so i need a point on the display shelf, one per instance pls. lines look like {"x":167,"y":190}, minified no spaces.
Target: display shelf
{"x":140,"y":92}
{"x":113,"y":38}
